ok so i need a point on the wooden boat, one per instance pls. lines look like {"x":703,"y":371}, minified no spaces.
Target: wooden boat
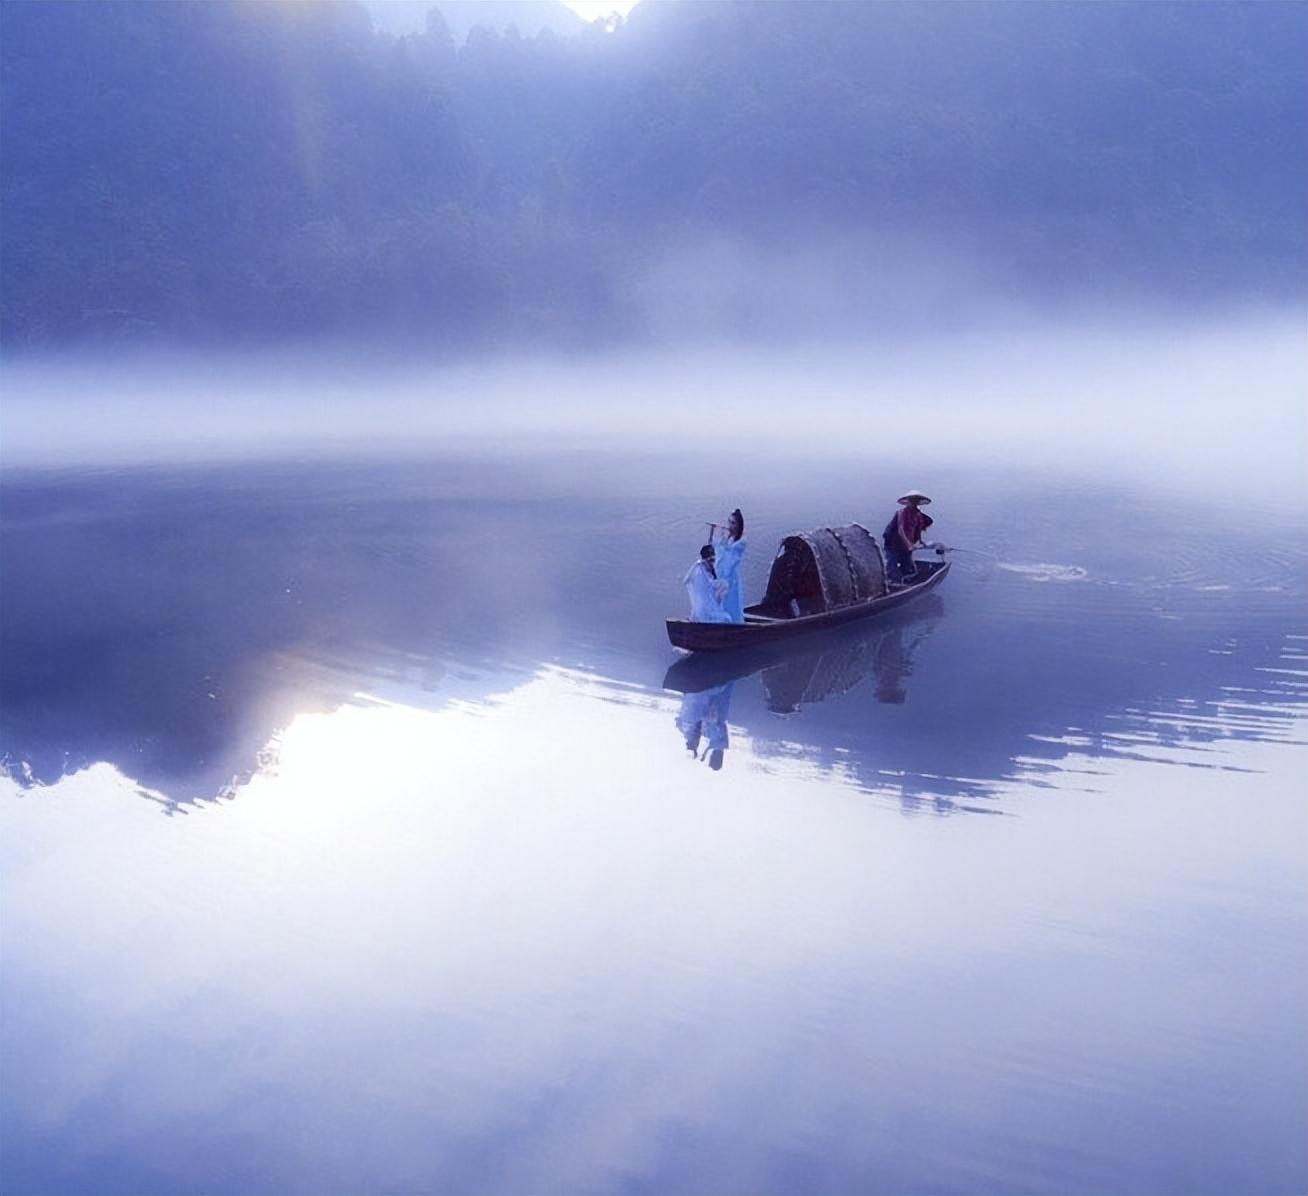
{"x":853,"y":652}
{"x":819,"y":580}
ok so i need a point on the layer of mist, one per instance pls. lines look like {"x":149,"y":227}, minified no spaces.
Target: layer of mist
{"x":1217,"y":408}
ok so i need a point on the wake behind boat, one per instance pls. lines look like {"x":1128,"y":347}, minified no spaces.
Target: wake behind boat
{"x":821,"y":579}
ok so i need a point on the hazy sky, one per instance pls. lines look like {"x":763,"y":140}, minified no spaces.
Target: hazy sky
{"x":590,"y":9}
{"x":403,"y":17}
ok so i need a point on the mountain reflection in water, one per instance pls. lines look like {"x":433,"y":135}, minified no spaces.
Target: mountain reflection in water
{"x":171,"y":623}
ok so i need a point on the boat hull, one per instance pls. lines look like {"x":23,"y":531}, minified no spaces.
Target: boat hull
{"x":723,"y":637}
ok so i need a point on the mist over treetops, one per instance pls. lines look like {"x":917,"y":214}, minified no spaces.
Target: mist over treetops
{"x":239,"y":173}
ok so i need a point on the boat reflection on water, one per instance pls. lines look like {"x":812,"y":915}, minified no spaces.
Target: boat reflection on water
{"x":886,"y":655}
{"x":798,"y":675}
{"x":821,"y":666}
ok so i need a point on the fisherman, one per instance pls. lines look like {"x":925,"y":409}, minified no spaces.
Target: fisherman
{"x":705,"y":590}
{"x":903,"y":534}
{"x":727,"y":565}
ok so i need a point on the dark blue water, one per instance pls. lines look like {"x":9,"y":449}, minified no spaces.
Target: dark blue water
{"x":351,"y":839}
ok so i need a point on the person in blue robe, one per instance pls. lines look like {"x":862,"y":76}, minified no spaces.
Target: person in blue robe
{"x":729,"y":553}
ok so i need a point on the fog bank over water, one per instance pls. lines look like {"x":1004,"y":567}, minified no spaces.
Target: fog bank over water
{"x":1218,"y":404}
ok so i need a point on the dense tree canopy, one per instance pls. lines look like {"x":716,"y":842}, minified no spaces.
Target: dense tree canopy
{"x":234,"y":171}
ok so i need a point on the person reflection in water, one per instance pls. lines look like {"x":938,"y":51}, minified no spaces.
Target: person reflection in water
{"x":705,"y":590}
{"x":703,"y":719}
{"x":891,"y":664}
{"x":727,"y":564}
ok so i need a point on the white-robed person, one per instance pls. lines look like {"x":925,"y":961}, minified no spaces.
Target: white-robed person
{"x":727,"y":565}
{"x":705,"y":590}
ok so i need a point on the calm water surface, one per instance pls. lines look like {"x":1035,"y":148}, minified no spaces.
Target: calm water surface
{"x":351,"y":840}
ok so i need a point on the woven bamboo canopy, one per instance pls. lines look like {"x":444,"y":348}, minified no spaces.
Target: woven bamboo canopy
{"x":825,"y":569}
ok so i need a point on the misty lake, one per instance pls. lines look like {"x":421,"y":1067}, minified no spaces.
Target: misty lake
{"x":370,"y":374}
{"x":351,"y":842}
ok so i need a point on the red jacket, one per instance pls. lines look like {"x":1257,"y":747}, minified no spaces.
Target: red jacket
{"x":913,"y":521}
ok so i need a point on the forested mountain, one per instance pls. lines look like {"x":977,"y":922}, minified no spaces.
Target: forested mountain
{"x":529,"y":17}
{"x":232,"y":172}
